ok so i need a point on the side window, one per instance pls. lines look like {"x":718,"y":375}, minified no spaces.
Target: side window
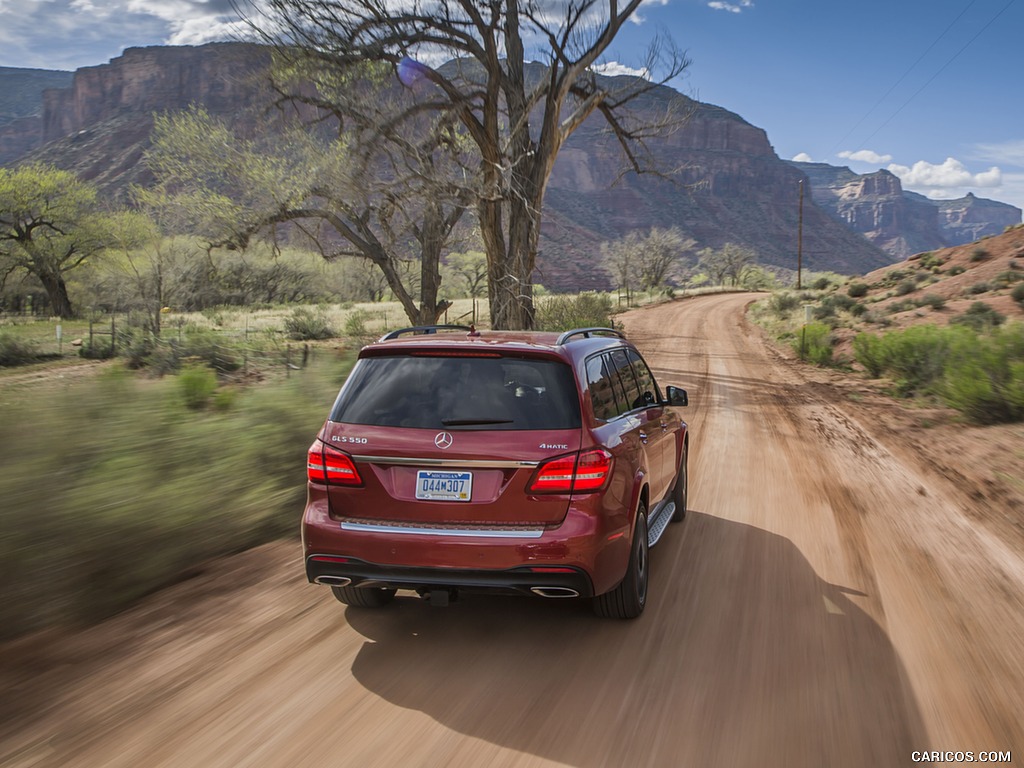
{"x":602,"y":395}
{"x":644,"y":376}
{"x":631,"y":395}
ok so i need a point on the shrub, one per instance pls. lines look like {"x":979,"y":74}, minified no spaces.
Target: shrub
{"x":932,"y":300}
{"x":905,"y":287}
{"x":979,"y":254}
{"x":915,"y":357}
{"x":984,"y":376}
{"x":979,"y":288}
{"x":957,"y":269}
{"x":821,"y":284}
{"x":196,"y":385}
{"x":1018,"y":294}
{"x":587,"y":310}
{"x":15,"y":352}
{"x":869,"y":351}
{"x":814,"y":343}
{"x":783,"y":303}
{"x":99,"y":349}
{"x":1007,"y":278}
{"x":305,"y":325}
{"x":857,"y":310}
{"x":856,"y":290}
{"x":355,"y":324}
{"x":980,"y":316}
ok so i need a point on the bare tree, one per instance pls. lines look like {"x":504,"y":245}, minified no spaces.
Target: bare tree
{"x":646,"y":262}
{"x":729,"y":261}
{"x":517,"y":116}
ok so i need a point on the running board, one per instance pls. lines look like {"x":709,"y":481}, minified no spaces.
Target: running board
{"x":659,"y":521}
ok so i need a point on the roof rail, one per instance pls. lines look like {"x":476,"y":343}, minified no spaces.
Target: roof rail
{"x":423,"y":329}
{"x":587,"y":333}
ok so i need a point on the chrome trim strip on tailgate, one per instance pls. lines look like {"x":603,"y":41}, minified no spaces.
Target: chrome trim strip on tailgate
{"x":493,"y":533}
{"x":469,"y":463}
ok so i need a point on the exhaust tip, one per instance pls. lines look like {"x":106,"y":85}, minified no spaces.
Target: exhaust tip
{"x":333,"y":581}
{"x":554,"y":591}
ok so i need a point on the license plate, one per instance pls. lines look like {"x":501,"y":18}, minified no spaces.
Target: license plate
{"x":444,"y":486}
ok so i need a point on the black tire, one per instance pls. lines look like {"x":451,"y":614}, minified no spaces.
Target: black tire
{"x":627,"y":600}
{"x":679,"y":493}
{"x":367,"y":597}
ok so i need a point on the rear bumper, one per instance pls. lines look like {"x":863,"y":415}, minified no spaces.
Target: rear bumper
{"x":586,"y":553}
{"x":325,"y":569}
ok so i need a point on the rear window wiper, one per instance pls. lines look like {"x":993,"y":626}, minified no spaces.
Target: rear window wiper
{"x":473,"y":422}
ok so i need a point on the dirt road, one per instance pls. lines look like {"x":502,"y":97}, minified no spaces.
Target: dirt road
{"x":827,"y":602}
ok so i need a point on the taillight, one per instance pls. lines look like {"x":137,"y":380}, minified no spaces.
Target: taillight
{"x":585,"y":473}
{"x":329,"y":465}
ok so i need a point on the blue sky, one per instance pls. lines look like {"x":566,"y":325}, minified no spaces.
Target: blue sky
{"x":930,"y":89}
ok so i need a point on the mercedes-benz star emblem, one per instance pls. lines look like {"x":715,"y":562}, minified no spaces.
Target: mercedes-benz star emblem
{"x":443,"y":440}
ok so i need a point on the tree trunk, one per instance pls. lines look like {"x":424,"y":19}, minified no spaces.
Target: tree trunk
{"x":57,"y":291}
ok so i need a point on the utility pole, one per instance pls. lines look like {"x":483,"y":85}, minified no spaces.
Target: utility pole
{"x":800,"y":238}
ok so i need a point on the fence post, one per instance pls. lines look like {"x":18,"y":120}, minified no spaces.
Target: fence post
{"x":113,"y":338}
{"x":288,"y":361}
{"x":305,"y":354}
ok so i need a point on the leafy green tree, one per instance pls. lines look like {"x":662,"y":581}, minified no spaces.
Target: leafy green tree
{"x":470,"y":271}
{"x":50,"y":224}
{"x":232,"y":189}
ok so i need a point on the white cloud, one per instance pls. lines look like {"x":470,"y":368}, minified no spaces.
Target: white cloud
{"x":949,"y":174}
{"x":736,"y":7}
{"x":866,"y":156}
{"x":803,"y":157}
{"x":613,"y":68}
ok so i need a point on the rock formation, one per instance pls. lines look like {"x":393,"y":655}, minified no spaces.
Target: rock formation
{"x":901,"y":222}
{"x":730,"y":185}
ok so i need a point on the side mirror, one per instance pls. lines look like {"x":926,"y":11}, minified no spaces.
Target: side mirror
{"x":676,"y":396}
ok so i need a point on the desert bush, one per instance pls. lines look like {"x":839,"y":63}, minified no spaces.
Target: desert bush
{"x":16,"y":352}
{"x":931,"y":300}
{"x":979,"y":254}
{"x":905,"y":287}
{"x":355,"y":324}
{"x":821,"y":284}
{"x":857,"y":290}
{"x":978,"y":288}
{"x":957,"y":269}
{"x":869,"y":351}
{"x":197,"y":383}
{"x":150,"y":488}
{"x":858,"y":310}
{"x":1007,"y":278}
{"x":586,"y":310}
{"x":915,"y":357}
{"x":97,"y":349}
{"x":306,"y":325}
{"x":984,"y":376}
{"x":1018,"y":294}
{"x":980,"y":316}
{"x":814,"y":344}
{"x":782,"y":303}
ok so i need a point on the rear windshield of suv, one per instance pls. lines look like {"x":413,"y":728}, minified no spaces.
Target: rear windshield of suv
{"x":502,"y":393}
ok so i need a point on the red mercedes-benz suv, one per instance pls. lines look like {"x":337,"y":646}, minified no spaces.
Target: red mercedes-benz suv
{"x":456,"y":459}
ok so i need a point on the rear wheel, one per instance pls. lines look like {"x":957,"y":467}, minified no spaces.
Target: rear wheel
{"x":679,"y":493}
{"x":367,"y":597}
{"x":627,"y":600}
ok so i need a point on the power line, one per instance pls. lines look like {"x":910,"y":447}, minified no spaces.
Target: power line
{"x":941,"y":70}
{"x":901,"y":79}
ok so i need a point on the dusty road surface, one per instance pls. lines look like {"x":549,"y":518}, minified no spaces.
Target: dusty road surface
{"x":827,"y":602}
